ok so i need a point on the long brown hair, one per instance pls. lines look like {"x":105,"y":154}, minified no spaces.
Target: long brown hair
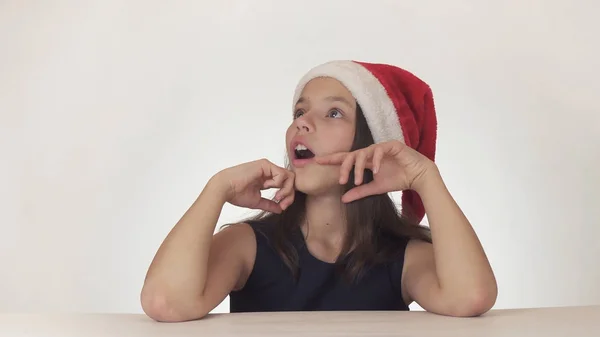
{"x":374,"y":224}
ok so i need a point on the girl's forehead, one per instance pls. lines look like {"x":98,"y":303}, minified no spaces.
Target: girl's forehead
{"x":324,"y":87}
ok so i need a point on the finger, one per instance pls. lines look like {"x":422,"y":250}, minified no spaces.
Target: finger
{"x":346,"y":167}
{"x":377,"y":157}
{"x":271,"y":171}
{"x":287,"y":188}
{"x":359,"y":165}
{"x":274,"y":175}
{"x":275,"y":182}
{"x":331,"y":159}
{"x":269,"y":206}
{"x":287,"y":201}
{"x":360,"y":192}
{"x":271,"y":183}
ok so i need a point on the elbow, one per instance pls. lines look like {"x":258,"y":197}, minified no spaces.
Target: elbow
{"x":157,"y":308}
{"x":164,"y":308}
{"x":478,"y":302}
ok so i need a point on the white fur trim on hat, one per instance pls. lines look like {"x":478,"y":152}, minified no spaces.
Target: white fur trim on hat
{"x":377,"y":107}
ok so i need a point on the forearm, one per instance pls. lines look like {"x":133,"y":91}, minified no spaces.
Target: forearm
{"x":177,"y":274}
{"x":462,"y":267}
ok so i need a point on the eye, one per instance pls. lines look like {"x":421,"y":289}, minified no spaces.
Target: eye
{"x":298,"y":113}
{"x":334,"y":113}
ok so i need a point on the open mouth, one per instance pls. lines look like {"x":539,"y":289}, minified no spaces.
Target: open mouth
{"x":302,"y":152}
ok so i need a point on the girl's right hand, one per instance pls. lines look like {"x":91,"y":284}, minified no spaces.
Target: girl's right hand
{"x":243,"y":184}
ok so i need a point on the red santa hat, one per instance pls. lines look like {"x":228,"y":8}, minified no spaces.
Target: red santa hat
{"x":396,"y":104}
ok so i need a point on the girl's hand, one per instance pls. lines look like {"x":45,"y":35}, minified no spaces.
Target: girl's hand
{"x":395,"y":166}
{"x":242,"y":185}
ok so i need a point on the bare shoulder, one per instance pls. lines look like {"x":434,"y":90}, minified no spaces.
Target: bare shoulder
{"x":416,"y":250}
{"x":419,"y":267}
{"x":238,"y":231}
{"x":235,"y":242}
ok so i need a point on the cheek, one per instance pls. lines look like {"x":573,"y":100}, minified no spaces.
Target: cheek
{"x":343,"y":140}
{"x":288,"y":136}
{"x":348,"y":143}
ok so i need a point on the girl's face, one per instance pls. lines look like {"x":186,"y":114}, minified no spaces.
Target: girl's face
{"x":324,"y":121}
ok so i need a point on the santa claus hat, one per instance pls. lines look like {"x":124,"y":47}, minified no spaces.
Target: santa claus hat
{"x":396,"y":104}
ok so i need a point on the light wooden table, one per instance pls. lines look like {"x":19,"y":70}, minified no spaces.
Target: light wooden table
{"x":547,"y":322}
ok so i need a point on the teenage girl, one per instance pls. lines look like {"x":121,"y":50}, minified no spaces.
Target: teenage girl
{"x":332,"y":239}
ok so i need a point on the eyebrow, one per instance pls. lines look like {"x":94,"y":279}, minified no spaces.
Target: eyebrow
{"x":328,"y":98}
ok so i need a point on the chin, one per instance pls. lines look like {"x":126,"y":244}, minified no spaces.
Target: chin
{"x":315,"y":181}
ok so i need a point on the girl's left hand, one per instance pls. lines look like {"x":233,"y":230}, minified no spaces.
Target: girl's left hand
{"x":395,"y":166}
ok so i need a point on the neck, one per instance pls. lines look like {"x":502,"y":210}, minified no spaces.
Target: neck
{"x":325,"y":218}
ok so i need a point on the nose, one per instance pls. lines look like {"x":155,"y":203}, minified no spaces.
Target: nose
{"x":303,"y":124}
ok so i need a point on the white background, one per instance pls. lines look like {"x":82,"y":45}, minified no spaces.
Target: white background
{"x":113,"y":115}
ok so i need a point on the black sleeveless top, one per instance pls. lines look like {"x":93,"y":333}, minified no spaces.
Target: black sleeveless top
{"x":271,"y":285}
